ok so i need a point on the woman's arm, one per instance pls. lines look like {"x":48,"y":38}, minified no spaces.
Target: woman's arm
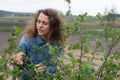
{"x":18,"y":57}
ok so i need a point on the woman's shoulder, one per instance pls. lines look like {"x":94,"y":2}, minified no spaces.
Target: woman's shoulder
{"x":26,"y":38}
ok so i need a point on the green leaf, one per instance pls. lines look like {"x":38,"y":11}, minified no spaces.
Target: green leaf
{"x":68,"y":1}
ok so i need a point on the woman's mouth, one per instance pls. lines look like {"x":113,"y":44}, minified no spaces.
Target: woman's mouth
{"x":39,"y":30}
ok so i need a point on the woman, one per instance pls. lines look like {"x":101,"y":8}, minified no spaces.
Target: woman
{"x":45,"y":29}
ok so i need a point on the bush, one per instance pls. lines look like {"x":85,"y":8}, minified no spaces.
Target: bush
{"x":69,"y":66}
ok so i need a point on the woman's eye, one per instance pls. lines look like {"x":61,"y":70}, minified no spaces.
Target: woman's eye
{"x":45,"y":23}
{"x":38,"y":21}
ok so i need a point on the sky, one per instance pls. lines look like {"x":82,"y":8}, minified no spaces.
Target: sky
{"x":92,"y":7}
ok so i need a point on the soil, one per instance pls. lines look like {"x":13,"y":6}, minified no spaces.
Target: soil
{"x":10,"y":24}
{"x":4,"y":36}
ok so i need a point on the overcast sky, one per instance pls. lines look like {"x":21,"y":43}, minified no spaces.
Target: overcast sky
{"x":77,"y":6}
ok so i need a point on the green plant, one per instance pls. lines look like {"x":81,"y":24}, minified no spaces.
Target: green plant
{"x":81,"y":66}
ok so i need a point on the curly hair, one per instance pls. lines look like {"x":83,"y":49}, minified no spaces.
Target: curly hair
{"x":55,"y":21}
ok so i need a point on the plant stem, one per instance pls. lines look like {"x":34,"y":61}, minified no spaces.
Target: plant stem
{"x":80,"y":61}
{"x":81,"y":53}
{"x":106,"y":58}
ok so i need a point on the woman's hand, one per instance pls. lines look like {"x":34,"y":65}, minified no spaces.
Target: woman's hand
{"x":39,"y":68}
{"x":18,"y":58}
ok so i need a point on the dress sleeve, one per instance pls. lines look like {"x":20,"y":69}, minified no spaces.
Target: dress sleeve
{"x":23,"y":44}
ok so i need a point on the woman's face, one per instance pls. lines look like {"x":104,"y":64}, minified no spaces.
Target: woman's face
{"x":43,"y":26}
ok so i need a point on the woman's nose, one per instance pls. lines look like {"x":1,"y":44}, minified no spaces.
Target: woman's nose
{"x":40,"y":24}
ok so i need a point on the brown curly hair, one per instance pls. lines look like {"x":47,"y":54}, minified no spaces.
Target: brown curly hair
{"x":55,"y":23}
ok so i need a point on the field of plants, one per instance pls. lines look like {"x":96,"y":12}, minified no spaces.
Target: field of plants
{"x":91,"y":49}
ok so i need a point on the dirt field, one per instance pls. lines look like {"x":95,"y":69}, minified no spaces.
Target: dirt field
{"x":10,"y":24}
{"x":4,"y":39}
{"x":4,"y":36}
